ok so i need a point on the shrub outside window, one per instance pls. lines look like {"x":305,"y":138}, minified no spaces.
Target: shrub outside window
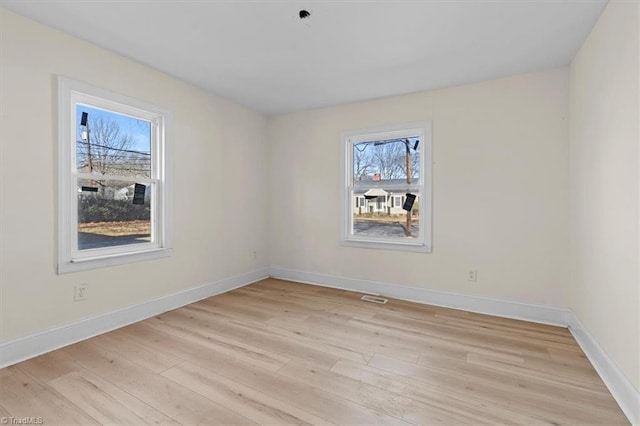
{"x":387,"y":188}
{"x":113,"y":183}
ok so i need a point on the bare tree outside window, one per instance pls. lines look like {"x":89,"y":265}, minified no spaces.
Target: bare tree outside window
{"x":108,"y":150}
{"x":380,"y":177}
{"x":388,"y":158}
{"x":112,"y":146}
{"x":362,"y":163}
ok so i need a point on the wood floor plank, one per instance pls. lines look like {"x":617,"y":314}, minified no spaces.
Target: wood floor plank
{"x":98,"y":360}
{"x":473,"y":408}
{"x":307,"y":302}
{"x":24,"y":396}
{"x":155,"y":339}
{"x":318,"y":402}
{"x":106,"y":402}
{"x":547,"y":372}
{"x":369,"y":375}
{"x":338,"y":348}
{"x":453,"y":335}
{"x":309,"y":399}
{"x":271,"y":342}
{"x":460,"y":329}
{"x":3,"y":411}
{"x":334,"y":328}
{"x":498,"y":387}
{"x":315,"y":299}
{"x":254,"y":405}
{"x":378,"y":399}
{"x":50,"y":366}
{"x":278,"y":352}
{"x":173,"y":399}
{"x":134,"y":352}
{"x":208,"y":338}
{"x":333,"y":332}
{"x":272,"y":305}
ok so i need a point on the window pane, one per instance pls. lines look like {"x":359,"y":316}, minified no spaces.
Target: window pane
{"x":382,"y":216}
{"x":108,"y":143}
{"x":109,"y":213}
{"x":386,"y":161}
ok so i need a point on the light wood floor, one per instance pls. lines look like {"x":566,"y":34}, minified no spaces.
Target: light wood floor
{"x":277,"y":352}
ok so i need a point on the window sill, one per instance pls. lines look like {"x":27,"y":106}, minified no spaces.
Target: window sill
{"x":380,"y":245}
{"x":112,"y":260}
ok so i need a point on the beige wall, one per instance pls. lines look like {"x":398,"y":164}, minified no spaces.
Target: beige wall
{"x":500,"y":186}
{"x":219,"y":176}
{"x":604,"y":186}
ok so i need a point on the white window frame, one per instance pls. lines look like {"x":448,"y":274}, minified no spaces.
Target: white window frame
{"x":70,"y":259}
{"x":424,"y":184}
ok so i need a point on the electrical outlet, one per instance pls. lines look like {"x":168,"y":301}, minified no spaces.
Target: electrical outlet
{"x":80,"y":292}
{"x":255,"y":255}
{"x":472,"y":275}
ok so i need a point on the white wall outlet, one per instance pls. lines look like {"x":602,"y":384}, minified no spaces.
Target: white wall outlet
{"x":472,"y":275}
{"x":80,"y":292}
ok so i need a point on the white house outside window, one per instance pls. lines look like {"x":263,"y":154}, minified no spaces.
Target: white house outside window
{"x":113,"y":183}
{"x":387,"y":188}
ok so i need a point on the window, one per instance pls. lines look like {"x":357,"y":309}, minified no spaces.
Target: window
{"x":113,"y":180}
{"x":361,"y":202}
{"x":387,"y":188}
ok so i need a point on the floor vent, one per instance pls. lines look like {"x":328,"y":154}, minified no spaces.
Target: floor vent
{"x":374,"y":299}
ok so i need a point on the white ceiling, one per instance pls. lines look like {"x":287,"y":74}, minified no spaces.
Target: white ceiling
{"x":262,"y":55}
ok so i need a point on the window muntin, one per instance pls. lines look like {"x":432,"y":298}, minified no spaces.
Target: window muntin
{"x":382,"y":168}
{"x":113,"y":180}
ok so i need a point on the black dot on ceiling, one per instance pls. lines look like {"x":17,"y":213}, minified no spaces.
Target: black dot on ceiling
{"x":304,"y":14}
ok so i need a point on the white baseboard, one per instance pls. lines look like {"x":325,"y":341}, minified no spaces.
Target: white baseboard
{"x":623,"y":391}
{"x":20,"y":349}
{"x":625,"y":394}
{"x":484,"y":305}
